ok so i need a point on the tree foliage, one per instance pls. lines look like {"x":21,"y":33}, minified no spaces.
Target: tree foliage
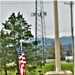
{"x":51,"y":51}
{"x":4,"y":50}
{"x":18,"y":27}
{"x":15,"y":28}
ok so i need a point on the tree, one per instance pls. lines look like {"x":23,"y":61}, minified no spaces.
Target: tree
{"x":3,"y":49}
{"x":51,"y":51}
{"x":18,"y":29}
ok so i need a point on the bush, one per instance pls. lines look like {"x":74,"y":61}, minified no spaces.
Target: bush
{"x":30,"y":68}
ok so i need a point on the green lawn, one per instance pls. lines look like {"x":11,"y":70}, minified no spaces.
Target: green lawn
{"x":50,"y":66}
{"x":64,"y":66}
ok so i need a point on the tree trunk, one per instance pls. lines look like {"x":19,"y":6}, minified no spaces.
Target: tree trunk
{"x":5,"y":70}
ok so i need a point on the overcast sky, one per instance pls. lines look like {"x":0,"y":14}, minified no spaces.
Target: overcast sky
{"x":28,"y":7}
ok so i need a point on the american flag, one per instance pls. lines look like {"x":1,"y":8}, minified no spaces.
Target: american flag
{"x":22,"y":61}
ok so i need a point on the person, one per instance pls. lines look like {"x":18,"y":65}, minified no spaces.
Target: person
{"x":17,"y":73}
{"x":40,"y":72}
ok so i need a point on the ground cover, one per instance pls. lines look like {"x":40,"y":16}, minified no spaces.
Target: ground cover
{"x":50,"y":66}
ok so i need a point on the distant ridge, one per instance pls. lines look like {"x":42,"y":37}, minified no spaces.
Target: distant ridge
{"x":65,"y":40}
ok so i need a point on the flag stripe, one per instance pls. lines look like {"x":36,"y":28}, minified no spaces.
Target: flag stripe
{"x":22,"y":62}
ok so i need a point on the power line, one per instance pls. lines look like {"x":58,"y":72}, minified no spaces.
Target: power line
{"x":64,"y":15}
{"x":21,"y":2}
{"x":65,"y":31}
{"x":26,"y":2}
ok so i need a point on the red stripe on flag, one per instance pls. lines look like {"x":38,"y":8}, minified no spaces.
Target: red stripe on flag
{"x":22,"y":64}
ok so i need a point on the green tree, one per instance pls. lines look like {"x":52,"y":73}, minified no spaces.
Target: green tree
{"x":51,"y":51}
{"x":18,"y":29}
{"x":3,"y":49}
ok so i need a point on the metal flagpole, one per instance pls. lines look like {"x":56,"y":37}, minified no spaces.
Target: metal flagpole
{"x":22,"y":60}
{"x":21,"y":44}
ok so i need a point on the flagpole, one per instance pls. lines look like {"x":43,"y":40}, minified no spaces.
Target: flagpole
{"x":22,"y":61}
{"x":57,"y":43}
{"x":21,"y":44}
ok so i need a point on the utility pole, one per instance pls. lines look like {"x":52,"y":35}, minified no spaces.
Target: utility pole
{"x":35,"y":14}
{"x":35,"y":30}
{"x":36,"y":23}
{"x":39,"y":23}
{"x":42,"y":15}
{"x":73,"y":51}
{"x":57,"y":44}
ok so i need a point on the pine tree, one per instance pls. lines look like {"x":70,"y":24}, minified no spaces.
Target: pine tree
{"x":18,"y":29}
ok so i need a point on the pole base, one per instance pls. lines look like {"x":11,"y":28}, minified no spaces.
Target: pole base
{"x":59,"y":73}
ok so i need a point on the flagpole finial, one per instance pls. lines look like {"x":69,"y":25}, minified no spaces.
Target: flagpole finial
{"x":21,"y":40}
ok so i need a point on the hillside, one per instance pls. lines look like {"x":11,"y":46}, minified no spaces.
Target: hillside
{"x":64,"y":40}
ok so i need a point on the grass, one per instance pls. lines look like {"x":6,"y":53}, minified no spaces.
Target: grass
{"x":64,"y":66}
{"x":67,"y":66}
{"x":50,"y":66}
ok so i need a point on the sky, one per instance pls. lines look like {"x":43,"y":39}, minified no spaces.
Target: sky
{"x":26,"y":7}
